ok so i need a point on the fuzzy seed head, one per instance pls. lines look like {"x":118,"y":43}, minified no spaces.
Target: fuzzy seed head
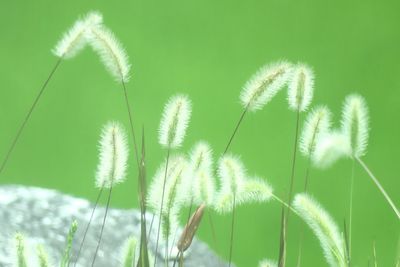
{"x":318,"y":123}
{"x":111,"y":52}
{"x":355,"y":124}
{"x":323,"y":227}
{"x":201,"y":181}
{"x":174,"y":121}
{"x":201,"y":157}
{"x":264,"y":85}
{"x":255,"y":190}
{"x":75,"y":39}
{"x":113,"y":156}
{"x":236,"y":186}
{"x":267,"y":263}
{"x":330,"y":147}
{"x":173,"y":194}
{"x":301,"y":87}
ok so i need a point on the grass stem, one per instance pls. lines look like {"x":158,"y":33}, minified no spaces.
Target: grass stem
{"x":161,"y":206}
{"x":28,"y":115}
{"x":351,"y":206}
{"x":379,"y":186}
{"x":235,"y":130}
{"x":103,"y":224}
{"x":232,"y":230}
{"x":88,"y":225}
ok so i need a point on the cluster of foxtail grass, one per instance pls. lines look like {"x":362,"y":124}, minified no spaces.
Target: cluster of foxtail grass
{"x":195,"y":179}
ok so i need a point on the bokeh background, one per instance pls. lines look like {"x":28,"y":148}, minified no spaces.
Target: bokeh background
{"x":208,"y":49}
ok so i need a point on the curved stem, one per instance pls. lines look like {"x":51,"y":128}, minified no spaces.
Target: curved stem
{"x":379,"y":186}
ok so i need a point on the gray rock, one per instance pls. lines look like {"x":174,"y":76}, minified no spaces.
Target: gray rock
{"x":44,"y":217}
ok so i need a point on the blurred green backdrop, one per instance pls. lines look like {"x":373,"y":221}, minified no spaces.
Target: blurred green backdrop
{"x":208,"y":49}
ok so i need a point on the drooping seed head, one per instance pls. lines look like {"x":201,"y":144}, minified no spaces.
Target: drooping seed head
{"x":323,"y":227}
{"x":264,"y":85}
{"x":301,"y":87}
{"x":75,"y":39}
{"x":318,"y":123}
{"x":355,"y":124}
{"x":111,"y":52}
{"x":255,"y":190}
{"x":329,"y":148}
{"x":113,"y":156}
{"x":174,"y":121}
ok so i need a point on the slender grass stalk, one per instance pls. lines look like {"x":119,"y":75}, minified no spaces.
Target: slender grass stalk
{"x":346,"y":245}
{"x":235,"y":130}
{"x":351,"y":205}
{"x":282,"y":262}
{"x":102,"y":225}
{"x":379,"y":186}
{"x":28,"y":115}
{"x":161,"y":205}
{"x":282,"y":240}
{"x":88,"y":225}
{"x":143,"y":260}
{"x":67,"y":251}
{"x":232,"y":230}
{"x":374,"y":254}
{"x":136,"y":150}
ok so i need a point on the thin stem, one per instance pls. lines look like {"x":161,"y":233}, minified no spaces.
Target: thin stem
{"x":293,"y":160}
{"x":131,"y":123}
{"x":28,"y":115}
{"x":177,"y":256}
{"x":102,"y":226}
{"x":161,"y":206}
{"x":375,"y":180}
{"x":284,"y":230}
{"x":374,"y":254}
{"x":235,"y":130}
{"x":284,"y":203}
{"x":151,"y":225}
{"x":351,"y":205}
{"x":306,"y":182}
{"x":88,"y":225}
{"x":232,"y":229}
{"x":212,"y":228}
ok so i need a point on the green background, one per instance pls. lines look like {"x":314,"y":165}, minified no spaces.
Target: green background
{"x":208,"y":49}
